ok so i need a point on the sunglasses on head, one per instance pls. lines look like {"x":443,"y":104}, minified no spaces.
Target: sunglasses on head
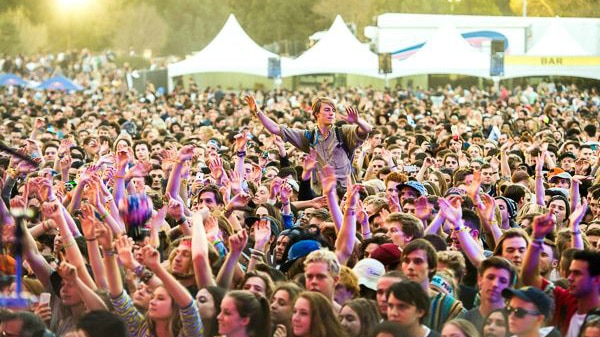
{"x":520,"y":312}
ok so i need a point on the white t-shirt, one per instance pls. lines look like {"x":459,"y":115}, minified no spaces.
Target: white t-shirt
{"x":575,"y":325}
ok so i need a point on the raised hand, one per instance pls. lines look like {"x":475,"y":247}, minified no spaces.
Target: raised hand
{"x":104,"y":235}
{"x":238,"y":241}
{"x":124,"y":246}
{"x":241,"y":139}
{"x":351,"y":115}
{"x":310,"y":163}
{"x":262,"y":234}
{"x":251,"y":103}
{"x":394,"y":203}
{"x":275,"y":187}
{"x":328,"y":179}
{"x":211,"y":225}
{"x":67,"y":272}
{"x":285,"y":193}
{"x":186,"y":153}
{"x":236,"y":181}
{"x":159,"y":218}
{"x":487,"y":208}
{"x":88,"y":221}
{"x":216,"y":168}
{"x":52,"y":209}
{"x":123,"y":158}
{"x":542,"y":225}
{"x":175,"y":207}
{"x":140,"y":169}
{"x":151,"y":257}
{"x":578,"y":214}
{"x":451,"y":209}
{"x":319,"y":202}
{"x":240,"y":200}
{"x":539,"y":163}
{"x":423,"y":208}
{"x":473,"y":188}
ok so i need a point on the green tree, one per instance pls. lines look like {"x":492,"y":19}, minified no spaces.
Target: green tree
{"x":9,"y":37}
{"x":140,"y":27}
{"x":192,"y":23}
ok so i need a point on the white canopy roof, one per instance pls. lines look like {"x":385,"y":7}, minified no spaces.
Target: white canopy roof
{"x":557,"y":42}
{"x":339,"y":51}
{"x":232,"y":50}
{"x":447,"y":52}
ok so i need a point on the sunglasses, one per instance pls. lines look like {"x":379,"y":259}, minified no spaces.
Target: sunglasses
{"x":520,"y":312}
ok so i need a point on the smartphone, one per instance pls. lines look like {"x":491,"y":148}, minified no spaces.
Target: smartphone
{"x":410,"y":168}
{"x":45,"y":299}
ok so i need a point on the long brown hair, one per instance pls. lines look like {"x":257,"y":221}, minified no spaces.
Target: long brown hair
{"x":174,"y":321}
{"x":323,"y":320}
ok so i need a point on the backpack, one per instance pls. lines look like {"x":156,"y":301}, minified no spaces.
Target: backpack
{"x":312,"y":141}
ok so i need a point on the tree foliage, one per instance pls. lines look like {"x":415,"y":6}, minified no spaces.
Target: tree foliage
{"x":184,"y":26}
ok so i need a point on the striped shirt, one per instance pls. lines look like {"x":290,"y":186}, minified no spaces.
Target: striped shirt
{"x":137,"y":324}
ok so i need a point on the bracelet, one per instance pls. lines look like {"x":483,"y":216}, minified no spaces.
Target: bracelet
{"x":538,"y":241}
{"x":216,"y":242}
{"x":147,"y":276}
{"x":576,"y":232}
{"x":110,"y":252}
{"x":104,"y":215}
{"x":241,"y":154}
{"x":139,"y":271}
{"x":90,"y":240}
{"x":119,"y":177}
{"x":181,"y":220}
{"x":69,"y":244}
{"x":459,"y":229}
{"x":108,"y":199}
{"x":45,"y":225}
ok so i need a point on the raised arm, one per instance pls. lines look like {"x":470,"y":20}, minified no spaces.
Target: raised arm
{"x":185,"y":153}
{"x":352,"y":117}
{"x":574,"y":221}
{"x":539,"y":180}
{"x":452,"y":211}
{"x":54,"y":210}
{"x":344,"y":244}
{"x":530,"y":268}
{"x":179,"y":293}
{"x":267,"y":122}
{"x":329,"y":183}
{"x":237,"y":242}
{"x":200,"y":246}
{"x":92,"y":301}
{"x":504,"y":167}
{"x":88,"y":220}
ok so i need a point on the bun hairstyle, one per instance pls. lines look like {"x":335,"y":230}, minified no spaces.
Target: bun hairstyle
{"x":256,"y":308}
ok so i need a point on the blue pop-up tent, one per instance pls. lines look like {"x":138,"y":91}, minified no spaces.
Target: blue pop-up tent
{"x":11,"y":79}
{"x":59,"y":83}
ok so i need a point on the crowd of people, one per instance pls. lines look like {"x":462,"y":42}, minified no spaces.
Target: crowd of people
{"x":350,"y":212}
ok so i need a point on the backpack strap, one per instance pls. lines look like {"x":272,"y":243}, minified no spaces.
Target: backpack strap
{"x":311,"y":137}
{"x":340,"y":139}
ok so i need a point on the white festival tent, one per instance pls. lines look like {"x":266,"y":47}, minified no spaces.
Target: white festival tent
{"x":337,"y":52}
{"x":231,"y":51}
{"x":564,"y":57}
{"x":446,"y":52}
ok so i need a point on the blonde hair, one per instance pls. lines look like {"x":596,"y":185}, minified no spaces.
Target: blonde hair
{"x":326,"y":256}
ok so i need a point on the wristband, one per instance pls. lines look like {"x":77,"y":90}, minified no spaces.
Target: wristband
{"x":460,"y":228}
{"x":139,"y":271}
{"x":181,"y":220}
{"x":241,"y":154}
{"x":90,"y":240}
{"x":110,"y":252}
{"x":538,"y":241}
{"x":69,"y":244}
{"x":147,"y":276}
{"x":576,"y":232}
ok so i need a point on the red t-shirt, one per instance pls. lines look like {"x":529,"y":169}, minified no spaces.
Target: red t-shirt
{"x":565,"y":306}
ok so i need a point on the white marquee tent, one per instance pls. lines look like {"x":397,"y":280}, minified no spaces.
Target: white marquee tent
{"x":446,"y":52}
{"x":232,"y":51}
{"x":337,"y":52}
{"x":556,"y":53}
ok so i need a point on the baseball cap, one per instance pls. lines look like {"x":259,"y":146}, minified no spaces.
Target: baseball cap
{"x":299,"y":250}
{"x":388,"y":253}
{"x":368,"y":272}
{"x":415,"y":185}
{"x":530,"y":294}
{"x":556,"y":173}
